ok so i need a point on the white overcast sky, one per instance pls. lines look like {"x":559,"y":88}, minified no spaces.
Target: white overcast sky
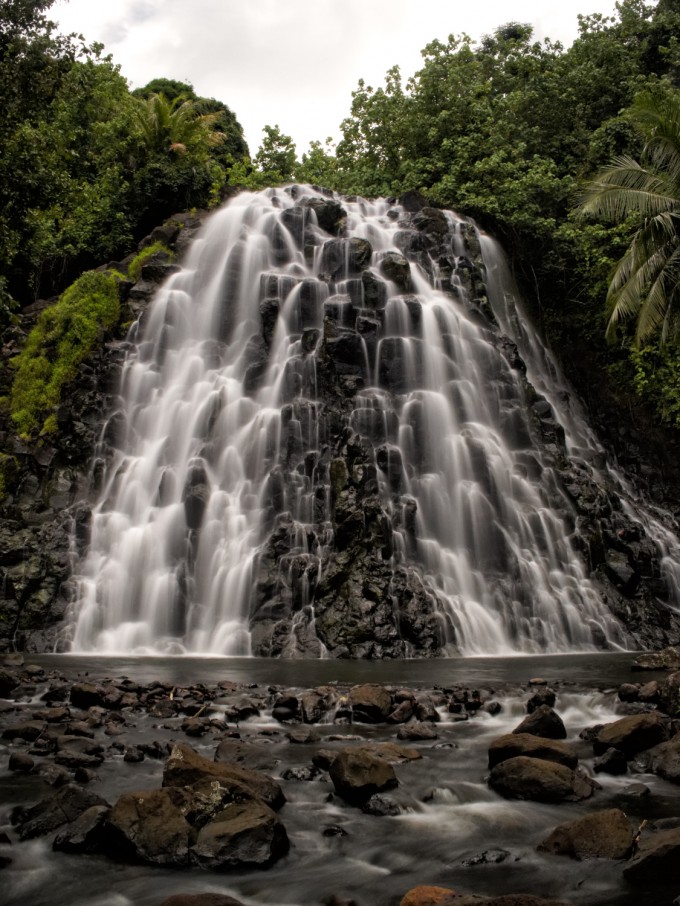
{"x":294,"y":62}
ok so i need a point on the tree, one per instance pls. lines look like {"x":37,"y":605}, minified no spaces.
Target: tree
{"x":646,"y":281}
{"x":276,"y":158}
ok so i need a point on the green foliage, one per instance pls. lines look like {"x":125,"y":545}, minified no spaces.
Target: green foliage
{"x":140,"y":259}
{"x":63,"y":337}
{"x":276,"y":157}
{"x":645,"y":284}
{"x":657,"y":379}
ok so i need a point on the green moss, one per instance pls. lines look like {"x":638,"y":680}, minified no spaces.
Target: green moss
{"x":135,"y":267}
{"x":65,"y":335}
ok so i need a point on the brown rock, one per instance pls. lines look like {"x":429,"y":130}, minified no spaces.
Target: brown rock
{"x":665,"y":760}
{"x":150,"y":825}
{"x":543,"y":721}
{"x":357,"y":774}
{"x":428,"y":896}
{"x":632,"y":734}
{"x":607,"y":834}
{"x":242,"y":834}
{"x":667,"y":659}
{"x":657,"y":860}
{"x":185,"y":767}
{"x":370,"y":703}
{"x":540,"y":781}
{"x":513,"y":744}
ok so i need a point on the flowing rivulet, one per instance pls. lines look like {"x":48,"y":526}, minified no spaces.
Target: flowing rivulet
{"x":327,"y":445}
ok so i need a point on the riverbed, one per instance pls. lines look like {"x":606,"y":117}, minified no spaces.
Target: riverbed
{"x":451,"y":829}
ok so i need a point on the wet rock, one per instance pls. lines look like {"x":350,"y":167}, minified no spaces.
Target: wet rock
{"x":667,"y":659}
{"x":240,"y":835}
{"x":628,"y":692}
{"x":329,"y":214}
{"x":61,"y":808}
{"x":540,"y":781}
{"x":426,"y":709}
{"x":488,"y":857}
{"x":54,"y":775}
{"x":429,"y":896}
{"x":543,"y":721}
{"x":606,"y":834}
{"x":196,"y":494}
{"x":357,"y":775}
{"x":513,"y":744}
{"x":84,"y":835}
{"x":669,"y":697}
{"x":242,"y":752}
{"x":612,"y":761}
{"x":200,"y":899}
{"x":381,"y":806}
{"x":396,"y":268}
{"x":185,"y":767}
{"x":664,"y":760}
{"x":8,"y":682}
{"x":370,"y":703}
{"x":21,"y":763}
{"x":86,"y":695}
{"x":632,"y":734}
{"x":543,"y":696}
{"x":28,"y":732}
{"x":417,"y":732}
{"x":150,"y":825}
{"x":345,"y":257}
{"x":657,"y":861}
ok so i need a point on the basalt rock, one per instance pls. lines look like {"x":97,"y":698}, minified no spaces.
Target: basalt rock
{"x":540,"y":781}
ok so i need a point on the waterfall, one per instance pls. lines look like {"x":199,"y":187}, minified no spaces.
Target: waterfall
{"x":324,"y":445}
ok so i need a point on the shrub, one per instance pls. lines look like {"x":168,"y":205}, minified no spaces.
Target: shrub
{"x":140,"y":259}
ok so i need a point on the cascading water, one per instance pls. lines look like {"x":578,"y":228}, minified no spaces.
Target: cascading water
{"x":324,"y":446}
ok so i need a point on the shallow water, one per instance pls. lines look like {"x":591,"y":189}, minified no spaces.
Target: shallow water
{"x":449,"y":814}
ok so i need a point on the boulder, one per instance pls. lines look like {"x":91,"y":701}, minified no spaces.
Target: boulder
{"x":84,"y":835}
{"x":665,"y":759}
{"x":370,"y":703}
{"x":540,"y":781}
{"x":543,"y":696}
{"x":429,"y":896}
{"x":513,"y":744}
{"x":667,"y":659}
{"x":151,"y":825}
{"x":612,"y":761}
{"x":61,"y":808}
{"x":329,"y":214}
{"x":669,"y":695}
{"x":185,"y":767}
{"x":657,"y":861}
{"x":396,"y":268}
{"x":416,"y":732}
{"x":632,"y":734}
{"x":358,"y":774}
{"x":8,"y":682}
{"x":242,"y":834}
{"x":607,"y":834}
{"x":543,"y":721}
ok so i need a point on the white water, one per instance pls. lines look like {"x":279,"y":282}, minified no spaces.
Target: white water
{"x":438,"y":398}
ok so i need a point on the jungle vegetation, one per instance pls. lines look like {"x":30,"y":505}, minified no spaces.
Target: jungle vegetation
{"x":527,"y":137}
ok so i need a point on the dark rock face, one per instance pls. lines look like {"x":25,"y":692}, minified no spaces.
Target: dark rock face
{"x":343,"y":595}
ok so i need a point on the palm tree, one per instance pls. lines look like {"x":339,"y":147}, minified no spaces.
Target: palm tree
{"x":175,"y":127}
{"x":646,"y":281}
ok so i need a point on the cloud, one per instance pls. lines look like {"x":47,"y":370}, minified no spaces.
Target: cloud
{"x":293,"y":62}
